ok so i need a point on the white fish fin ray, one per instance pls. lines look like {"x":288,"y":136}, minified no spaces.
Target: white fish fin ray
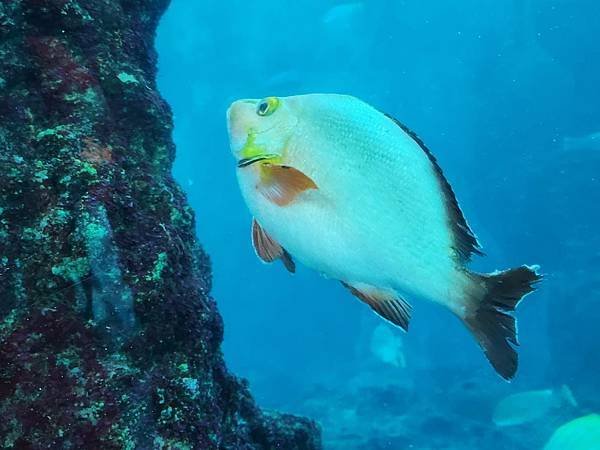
{"x":268,"y":250}
{"x":385,"y":304}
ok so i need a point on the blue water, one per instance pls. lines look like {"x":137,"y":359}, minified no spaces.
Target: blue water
{"x":494,"y":88}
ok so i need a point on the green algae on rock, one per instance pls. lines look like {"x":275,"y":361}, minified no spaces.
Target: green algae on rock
{"x":108,"y":335}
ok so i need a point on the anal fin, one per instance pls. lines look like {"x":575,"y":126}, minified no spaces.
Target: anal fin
{"x":268,"y":250}
{"x":391,"y":307}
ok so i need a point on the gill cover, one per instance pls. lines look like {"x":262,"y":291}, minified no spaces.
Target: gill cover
{"x":278,"y":182}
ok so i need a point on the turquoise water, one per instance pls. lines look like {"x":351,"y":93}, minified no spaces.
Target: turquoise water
{"x":506,"y":96}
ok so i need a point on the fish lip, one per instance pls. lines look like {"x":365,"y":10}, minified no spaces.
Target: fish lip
{"x":245,"y":162}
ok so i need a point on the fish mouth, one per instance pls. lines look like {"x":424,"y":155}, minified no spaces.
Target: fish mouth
{"x":245,"y":162}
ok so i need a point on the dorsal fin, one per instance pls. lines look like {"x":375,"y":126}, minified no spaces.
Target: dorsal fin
{"x":465,"y":241}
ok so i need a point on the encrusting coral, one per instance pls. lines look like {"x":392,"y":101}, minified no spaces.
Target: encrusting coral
{"x":108,"y":335}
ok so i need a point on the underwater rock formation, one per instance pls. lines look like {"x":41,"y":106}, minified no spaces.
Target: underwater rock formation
{"x":108,"y":335}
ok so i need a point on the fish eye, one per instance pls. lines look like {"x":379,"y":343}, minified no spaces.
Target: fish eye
{"x":267,"y":106}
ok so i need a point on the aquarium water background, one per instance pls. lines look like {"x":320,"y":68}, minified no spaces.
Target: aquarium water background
{"x":496,"y":89}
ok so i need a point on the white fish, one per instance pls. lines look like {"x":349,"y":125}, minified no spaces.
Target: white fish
{"x":352,"y":193}
{"x":529,"y":406}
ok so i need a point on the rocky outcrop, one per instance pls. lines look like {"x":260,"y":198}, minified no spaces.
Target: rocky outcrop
{"x":108,"y":335}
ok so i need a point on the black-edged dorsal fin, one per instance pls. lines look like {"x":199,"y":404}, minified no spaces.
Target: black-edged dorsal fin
{"x":465,"y":241}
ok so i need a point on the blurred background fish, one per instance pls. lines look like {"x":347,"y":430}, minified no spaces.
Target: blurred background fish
{"x":343,"y":14}
{"x":590,"y":142}
{"x":582,"y":433}
{"x":529,"y":406}
{"x":387,"y":346}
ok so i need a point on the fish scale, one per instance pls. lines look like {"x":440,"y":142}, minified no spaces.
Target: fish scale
{"x":373,"y":179}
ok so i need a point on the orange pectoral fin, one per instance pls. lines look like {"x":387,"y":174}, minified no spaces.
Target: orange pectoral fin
{"x":282,"y":184}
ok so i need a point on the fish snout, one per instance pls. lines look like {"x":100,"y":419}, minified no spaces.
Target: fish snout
{"x":239,"y":115}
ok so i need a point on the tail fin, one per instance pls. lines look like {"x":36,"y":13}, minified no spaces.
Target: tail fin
{"x":491,"y":320}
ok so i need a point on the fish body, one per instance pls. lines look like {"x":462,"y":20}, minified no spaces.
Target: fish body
{"x":352,"y":193}
{"x":332,"y":230}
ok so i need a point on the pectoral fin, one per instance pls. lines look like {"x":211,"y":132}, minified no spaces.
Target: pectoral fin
{"x":268,"y":250}
{"x":391,"y":307}
{"x":282,"y":184}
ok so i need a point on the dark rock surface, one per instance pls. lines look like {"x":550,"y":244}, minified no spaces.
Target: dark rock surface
{"x":108,"y":335}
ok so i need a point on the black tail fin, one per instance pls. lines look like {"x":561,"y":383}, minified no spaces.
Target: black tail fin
{"x":491,"y":320}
